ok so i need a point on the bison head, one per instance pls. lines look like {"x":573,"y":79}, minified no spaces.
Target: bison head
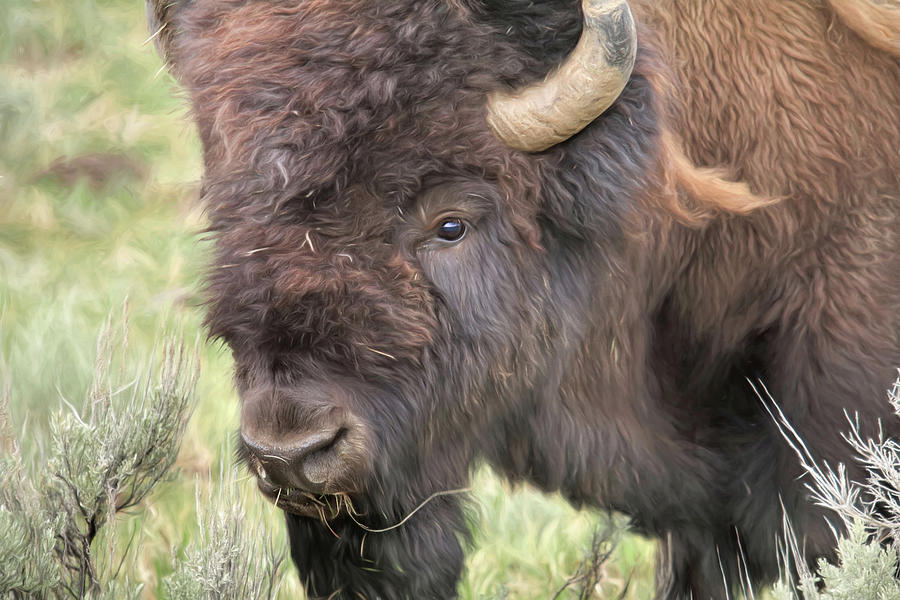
{"x":403,"y":288}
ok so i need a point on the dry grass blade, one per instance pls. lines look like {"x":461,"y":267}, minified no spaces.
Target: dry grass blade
{"x":353,"y":514}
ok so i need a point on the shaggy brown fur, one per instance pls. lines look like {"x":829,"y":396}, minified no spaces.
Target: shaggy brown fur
{"x":593,"y":330}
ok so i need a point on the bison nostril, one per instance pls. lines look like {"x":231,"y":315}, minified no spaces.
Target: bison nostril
{"x":321,"y":441}
{"x":318,"y":464}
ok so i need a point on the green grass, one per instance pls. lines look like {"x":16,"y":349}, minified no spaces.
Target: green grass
{"x":76,"y":80}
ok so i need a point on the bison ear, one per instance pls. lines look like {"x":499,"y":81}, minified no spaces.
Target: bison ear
{"x":162,"y":19}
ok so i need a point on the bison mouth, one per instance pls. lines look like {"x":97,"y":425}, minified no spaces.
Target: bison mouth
{"x":325,"y":507}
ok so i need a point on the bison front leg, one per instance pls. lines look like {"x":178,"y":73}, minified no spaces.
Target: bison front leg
{"x":420,"y":559}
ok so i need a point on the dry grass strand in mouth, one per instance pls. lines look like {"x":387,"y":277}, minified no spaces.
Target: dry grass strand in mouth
{"x":353,"y":513}
{"x":321,"y":510}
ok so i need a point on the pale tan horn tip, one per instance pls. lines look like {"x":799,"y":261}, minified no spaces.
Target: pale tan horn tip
{"x":612,"y":24}
{"x":579,"y":90}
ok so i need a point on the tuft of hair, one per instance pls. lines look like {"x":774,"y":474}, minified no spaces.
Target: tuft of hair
{"x":878,"y":23}
{"x":694,"y":195}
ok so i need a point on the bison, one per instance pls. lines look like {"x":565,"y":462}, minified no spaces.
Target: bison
{"x":553,"y":237}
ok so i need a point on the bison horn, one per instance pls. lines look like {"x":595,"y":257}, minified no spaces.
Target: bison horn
{"x":578,"y":91}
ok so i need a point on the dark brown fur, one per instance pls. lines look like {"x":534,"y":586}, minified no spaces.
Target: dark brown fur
{"x":594,"y":330}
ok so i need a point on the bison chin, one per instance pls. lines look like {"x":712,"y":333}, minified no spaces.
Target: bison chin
{"x":421,"y":559}
{"x":355,"y":527}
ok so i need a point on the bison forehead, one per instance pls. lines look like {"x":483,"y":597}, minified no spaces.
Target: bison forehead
{"x":311,"y":96}
{"x":351,"y":298}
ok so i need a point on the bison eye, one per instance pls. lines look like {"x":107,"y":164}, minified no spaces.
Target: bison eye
{"x":451,"y":229}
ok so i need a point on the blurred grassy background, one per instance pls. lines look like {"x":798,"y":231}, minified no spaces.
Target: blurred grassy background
{"x":99,"y":170}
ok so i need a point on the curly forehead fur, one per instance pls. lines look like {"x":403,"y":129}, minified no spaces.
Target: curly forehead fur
{"x":332,"y":94}
{"x":335,"y":93}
